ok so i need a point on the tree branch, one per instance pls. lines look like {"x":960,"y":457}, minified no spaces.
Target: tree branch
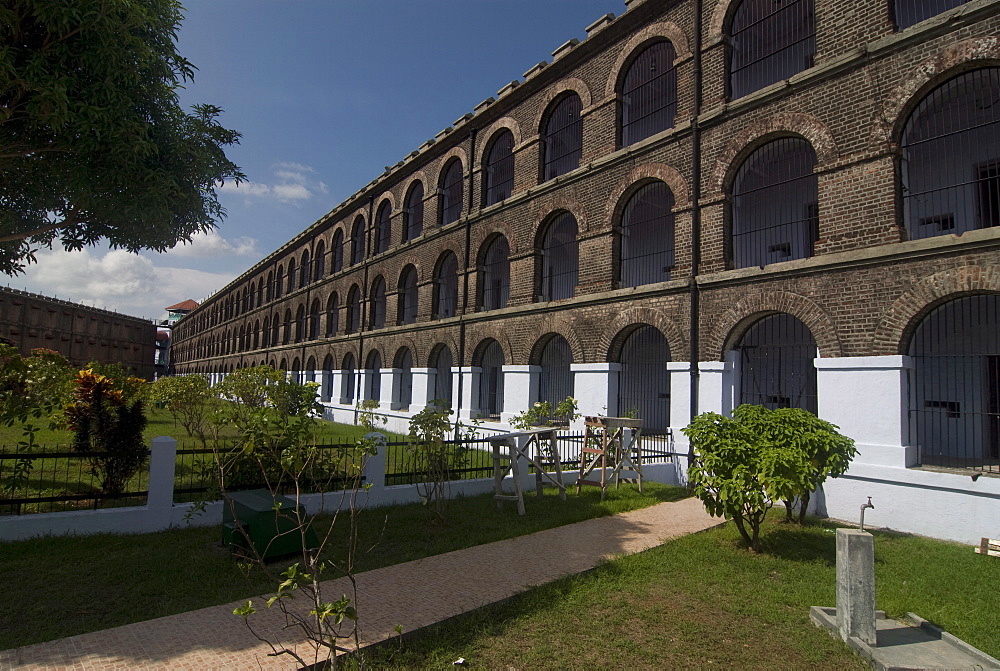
{"x":14,"y":237}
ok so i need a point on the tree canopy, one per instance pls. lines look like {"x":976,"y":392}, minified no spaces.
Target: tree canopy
{"x":93,"y":141}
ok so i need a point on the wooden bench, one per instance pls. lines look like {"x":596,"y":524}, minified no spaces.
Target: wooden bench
{"x":989,"y":546}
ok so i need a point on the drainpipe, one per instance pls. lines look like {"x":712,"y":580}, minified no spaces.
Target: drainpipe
{"x":693,"y":336}
{"x":465,"y":289}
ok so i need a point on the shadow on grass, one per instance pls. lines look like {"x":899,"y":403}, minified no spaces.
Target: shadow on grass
{"x":810,"y":543}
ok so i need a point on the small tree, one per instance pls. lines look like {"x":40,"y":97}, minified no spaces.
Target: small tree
{"x":435,"y":456}
{"x":189,"y":399}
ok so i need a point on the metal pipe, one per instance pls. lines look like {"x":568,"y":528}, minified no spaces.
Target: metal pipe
{"x":457,"y":402}
{"x":863,"y":506}
{"x":693,"y":334}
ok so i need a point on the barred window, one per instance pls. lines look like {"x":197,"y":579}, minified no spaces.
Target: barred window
{"x":769,"y":41}
{"x":354,"y":309}
{"x":649,"y":93}
{"x":950,"y":167}
{"x":347,"y":375}
{"x":287,"y":334}
{"x":555,"y":379}
{"x":498,"y":178}
{"x":647,"y":237}
{"x":383,"y":228}
{"x":560,"y":262}
{"x":495,"y":274}
{"x":775,"y":213}
{"x":300,"y":323}
{"x":373,"y":376}
{"x":776,"y":364}
{"x":404,"y":364}
{"x":315,"y":317}
{"x":407,"y":289}
{"x":910,"y":12}
{"x":450,"y":194}
{"x":441,"y":362}
{"x":377,"y":297}
{"x":446,"y":286}
{"x":563,"y":140}
{"x":305,"y":270}
{"x":320,"y":263}
{"x":337,"y":252}
{"x":326,"y":382}
{"x":358,"y":241}
{"x":332,"y":315}
{"x":279,"y":281}
{"x":414,"y":213}
{"x":291,"y":276}
{"x":491,"y":363}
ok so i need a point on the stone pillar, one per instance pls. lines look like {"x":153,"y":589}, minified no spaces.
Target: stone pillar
{"x":717,"y":386}
{"x":469,"y":401}
{"x":866,"y":397}
{"x":162,"y":462}
{"x":422,"y":388}
{"x":388,"y":391}
{"x":520,"y":389}
{"x":856,"y":585}
{"x":595,"y":387}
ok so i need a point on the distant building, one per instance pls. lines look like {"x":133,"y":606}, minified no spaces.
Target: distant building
{"x":174,"y":313}
{"x":79,"y":332}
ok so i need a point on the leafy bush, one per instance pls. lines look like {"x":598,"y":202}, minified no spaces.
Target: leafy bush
{"x":190,"y":399}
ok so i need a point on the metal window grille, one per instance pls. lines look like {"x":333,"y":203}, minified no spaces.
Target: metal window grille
{"x":491,"y":381}
{"x":499,"y":173}
{"x":377,"y":318}
{"x":560,"y":259}
{"x":446,"y":285}
{"x":320,"y":260}
{"x":315,"y":318}
{"x":450,"y":203}
{"x":408,"y":296}
{"x":563,"y":138}
{"x":770,"y":41}
{"x":414,"y":212}
{"x":270,"y":285}
{"x":290,"y":278}
{"x":950,"y":169}
{"x":279,"y":282}
{"x":256,"y":334}
{"x":354,"y":310}
{"x":337,"y":253}
{"x":647,"y":247}
{"x":373,"y":377}
{"x":347,"y":377}
{"x":776,"y":364}
{"x":275,"y":325}
{"x":358,"y":242}
{"x":305,"y":276}
{"x":260,"y":292}
{"x":333,"y":315}
{"x":643,"y":383}
{"x":383,"y":228}
{"x":649,"y":94}
{"x":310,"y":372}
{"x":775,"y":204}
{"x":326,"y":383}
{"x":496,"y":274}
{"x":909,"y":12}
{"x":555,"y":379}
{"x":441,"y":363}
{"x":404,"y":362}
{"x":287,"y":335}
{"x":954,"y":391}
{"x":300,"y":319}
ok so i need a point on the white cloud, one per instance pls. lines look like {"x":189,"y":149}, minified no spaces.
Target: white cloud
{"x":212,"y":245}
{"x":292,"y":183}
{"x":117,"y":280}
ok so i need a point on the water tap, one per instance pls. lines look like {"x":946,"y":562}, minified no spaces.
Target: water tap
{"x":863,"y":506}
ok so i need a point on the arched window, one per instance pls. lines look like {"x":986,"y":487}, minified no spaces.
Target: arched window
{"x":300,"y":322}
{"x":649,"y":93}
{"x":358,"y":241}
{"x":354,"y":309}
{"x":383,"y":227}
{"x":563,"y":140}
{"x":769,"y":41}
{"x":320,"y":262}
{"x":950,"y":168}
{"x":332,"y":315}
{"x":279,"y":282}
{"x":776,"y":364}
{"x":441,"y":362}
{"x":446,"y":286}
{"x":955,"y":384}
{"x":260,"y":292}
{"x":555,"y":380}
{"x":286,"y":335}
{"x":337,"y":252}
{"x":491,"y":380}
{"x":270,"y":286}
{"x":647,"y":243}
{"x":494,"y":276}
{"x":315,"y":317}
{"x":498,"y":178}
{"x":275,"y":326}
{"x":296,"y":371}
{"x":326,"y":381}
{"x":407,"y":290}
{"x":413,"y":214}
{"x":241,"y":339}
{"x":559,"y":259}
{"x":373,"y":376}
{"x":305,"y":270}
{"x":310,"y":371}
{"x":910,"y":12}
{"x":347,"y":375}
{"x":404,"y":364}
{"x":376,"y":319}
{"x":291,"y":276}
{"x":450,"y":194}
{"x":775,"y":214}
{"x":256,"y":334}
{"x":643,"y":384}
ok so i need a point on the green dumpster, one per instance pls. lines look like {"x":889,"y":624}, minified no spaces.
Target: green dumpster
{"x":270,"y":528}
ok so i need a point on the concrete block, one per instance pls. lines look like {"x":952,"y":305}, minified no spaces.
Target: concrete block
{"x":856,"y":585}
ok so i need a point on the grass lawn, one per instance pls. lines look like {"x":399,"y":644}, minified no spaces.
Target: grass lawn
{"x":703,"y":601}
{"x":56,"y":587}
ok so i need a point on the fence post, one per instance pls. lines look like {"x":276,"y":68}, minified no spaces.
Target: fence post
{"x":162,"y":464}
{"x":374,"y":466}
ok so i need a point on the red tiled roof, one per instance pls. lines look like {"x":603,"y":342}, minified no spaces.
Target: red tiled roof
{"x":183,"y":305}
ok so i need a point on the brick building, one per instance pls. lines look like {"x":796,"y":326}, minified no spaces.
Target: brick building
{"x":80,"y":333}
{"x":801,"y":198}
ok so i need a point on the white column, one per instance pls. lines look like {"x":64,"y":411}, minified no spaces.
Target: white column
{"x":595,"y":388}
{"x":715,"y":387}
{"x":680,"y":396}
{"x":422,"y":389}
{"x":867,"y":398}
{"x":520,"y":389}
{"x":388,"y":391}
{"x":469,"y":400}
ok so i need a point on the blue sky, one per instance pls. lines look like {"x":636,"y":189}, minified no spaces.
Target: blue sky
{"x":326,"y":93}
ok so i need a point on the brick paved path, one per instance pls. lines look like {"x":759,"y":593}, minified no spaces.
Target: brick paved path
{"x":449,"y":584}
